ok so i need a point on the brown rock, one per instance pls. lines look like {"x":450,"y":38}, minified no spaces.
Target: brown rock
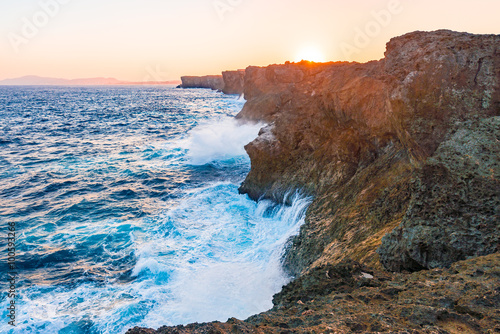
{"x":361,"y":137}
{"x":233,"y":82}
{"x":214,"y":82}
{"x":454,"y":210}
{"x":401,"y":155}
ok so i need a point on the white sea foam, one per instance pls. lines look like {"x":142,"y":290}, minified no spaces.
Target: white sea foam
{"x":227,"y":260}
{"x":219,"y":140}
{"x":214,"y":256}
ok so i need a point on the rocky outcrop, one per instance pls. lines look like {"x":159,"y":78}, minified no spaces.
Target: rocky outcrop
{"x":406,"y":145}
{"x":454,"y":210}
{"x":351,"y":298}
{"x":230,"y":82}
{"x":214,"y":82}
{"x":233,"y":82}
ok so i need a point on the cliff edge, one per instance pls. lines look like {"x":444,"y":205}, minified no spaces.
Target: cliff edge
{"x":349,"y":298}
{"x":230,"y":82}
{"x":402,"y":158}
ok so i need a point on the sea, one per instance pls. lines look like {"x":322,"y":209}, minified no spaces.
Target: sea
{"x":125,"y":207}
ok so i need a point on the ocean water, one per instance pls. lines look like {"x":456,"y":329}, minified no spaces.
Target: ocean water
{"x":127,"y":210}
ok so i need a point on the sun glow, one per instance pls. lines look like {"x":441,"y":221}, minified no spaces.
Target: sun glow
{"x":310,"y":54}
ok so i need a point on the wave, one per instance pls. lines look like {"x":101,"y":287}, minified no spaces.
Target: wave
{"x":219,"y":140}
{"x":225,"y":255}
{"x":122,"y":232}
{"x":216,"y":255}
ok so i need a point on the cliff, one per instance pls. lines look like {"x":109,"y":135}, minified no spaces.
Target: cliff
{"x":402,"y":158}
{"x":230,"y":82}
{"x":406,"y":146}
{"x":233,"y":82}
{"x":214,"y":82}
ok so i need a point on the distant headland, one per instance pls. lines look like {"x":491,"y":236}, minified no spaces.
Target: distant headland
{"x":33,"y":80}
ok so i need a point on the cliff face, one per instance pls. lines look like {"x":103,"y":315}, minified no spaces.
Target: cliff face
{"x":407,"y":145}
{"x":214,"y":82}
{"x":233,"y":82}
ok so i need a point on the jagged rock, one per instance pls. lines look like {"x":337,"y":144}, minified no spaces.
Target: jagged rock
{"x":454,"y":212}
{"x":214,"y":82}
{"x":407,"y":148}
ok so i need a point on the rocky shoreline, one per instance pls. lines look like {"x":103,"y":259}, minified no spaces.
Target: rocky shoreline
{"x":350,"y":298}
{"x":402,"y":158}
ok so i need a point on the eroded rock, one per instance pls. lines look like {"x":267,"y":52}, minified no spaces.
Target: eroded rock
{"x":464,"y":299}
{"x":401,"y":155}
{"x":454,"y":211}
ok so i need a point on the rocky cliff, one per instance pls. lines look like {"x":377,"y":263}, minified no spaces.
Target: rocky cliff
{"x":402,"y":158}
{"x":406,"y":146}
{"x":233,"y":82}
{"x":214,"y":82}
{"x":230,"y":82}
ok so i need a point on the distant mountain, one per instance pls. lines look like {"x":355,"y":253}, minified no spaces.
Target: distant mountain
{"x":33,"y":80}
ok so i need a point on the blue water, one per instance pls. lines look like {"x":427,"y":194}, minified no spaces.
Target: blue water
{"x":127,"y":210}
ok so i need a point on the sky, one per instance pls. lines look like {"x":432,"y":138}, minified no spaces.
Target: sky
{"x":157,"y":40}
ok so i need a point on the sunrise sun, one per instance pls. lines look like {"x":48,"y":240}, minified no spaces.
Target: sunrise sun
{"x":310,"y":54}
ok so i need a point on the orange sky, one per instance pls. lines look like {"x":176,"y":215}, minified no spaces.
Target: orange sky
{"x":164,"y":39}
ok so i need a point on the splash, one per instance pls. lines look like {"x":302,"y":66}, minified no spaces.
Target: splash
{"x":133,"y":235}
{"x":216,"y":255}
{"x":228,"y":252}
{"x":220,"y":140}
